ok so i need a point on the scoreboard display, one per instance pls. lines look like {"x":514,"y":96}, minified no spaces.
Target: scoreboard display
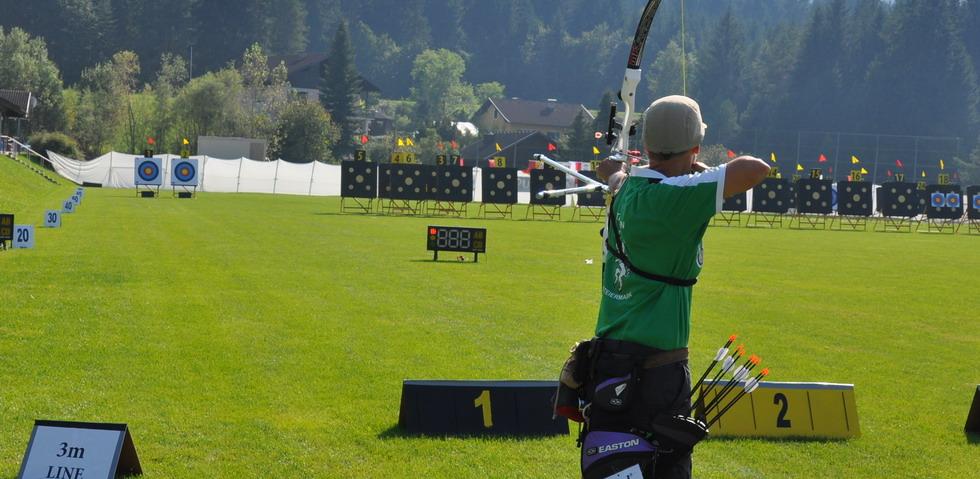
{"x":456,"y":239}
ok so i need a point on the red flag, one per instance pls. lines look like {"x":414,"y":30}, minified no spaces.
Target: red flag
{"x":364,"y":139}
{"x":822,"y":159}
{"x":441,"y":146}
{"x":151,"y":141}
{"x":454,"y":144}
{"x":899,"y":164}
{"x":552,"y":147}
{"x":889,"y":173}
{"x":731,"y":155}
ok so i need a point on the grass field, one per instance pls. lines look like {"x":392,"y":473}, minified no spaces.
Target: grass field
{"x":261,"y":336}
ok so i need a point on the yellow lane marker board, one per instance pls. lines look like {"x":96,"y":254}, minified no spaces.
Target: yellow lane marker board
{"x":775,"y":409}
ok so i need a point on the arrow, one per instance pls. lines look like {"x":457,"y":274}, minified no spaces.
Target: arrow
{"x":749,"y":388}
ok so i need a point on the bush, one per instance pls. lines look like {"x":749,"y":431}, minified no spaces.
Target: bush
{"x":59,"y":143}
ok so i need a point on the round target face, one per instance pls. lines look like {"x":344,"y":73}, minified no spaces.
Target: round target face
{"x":938,"y":200}
{"x":976,"y":202}
{"x":185,"y":171}
{"x":953,"y":200}
{"x":148,"y":171}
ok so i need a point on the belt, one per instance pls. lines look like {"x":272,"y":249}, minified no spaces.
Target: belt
{"x":652,"y":357}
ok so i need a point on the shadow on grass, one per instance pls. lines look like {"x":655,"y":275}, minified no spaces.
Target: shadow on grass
{"x":788,"y":440}
{"x":396,"y":432}
{"x":448,"y":261}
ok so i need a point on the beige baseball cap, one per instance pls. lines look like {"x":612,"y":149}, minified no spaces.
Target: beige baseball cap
{"x":673,"y":124}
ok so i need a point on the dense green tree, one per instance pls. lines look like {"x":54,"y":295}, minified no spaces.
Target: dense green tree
{"x":341,"y":86}
{"x":305,"y":133}
{"x":437,"y":86}
{"x":211,"y":105}
{"x":577,"y":144}
{"x":720,"y":87}
{"x":24,"y":65}
{"x":666,"y":74}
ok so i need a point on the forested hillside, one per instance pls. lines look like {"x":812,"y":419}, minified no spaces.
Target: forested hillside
{"x":873,"y":66}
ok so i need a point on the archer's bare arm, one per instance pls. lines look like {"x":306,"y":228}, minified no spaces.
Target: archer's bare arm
{"x":613,"y":173}
{"x":743,"y":174}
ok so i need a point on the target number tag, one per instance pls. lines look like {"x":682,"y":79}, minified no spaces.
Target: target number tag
{"x":52,"y":219}
{"x":68,"y":207}
{"x":76,"y":199}
{"x":80,"y":192}
{"x":24,"y":236}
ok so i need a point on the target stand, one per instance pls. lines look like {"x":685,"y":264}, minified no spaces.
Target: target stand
{"x":358,"y":186}
{"x":403,"y":189}
{"x":802,"y":221}
{"x":450,"y":191}
{"x":184,"y":175}
{"x":973,"y":227}
{"x":896,"y":224}
{"x":589,"y":205}
{"x":495,"y":210}
{"x":148,"y":176}
{"x":545,"y":179}
{"x":900,"y":207}
{"x":944,"y":209}
{"x":814,"y":204}
{"x":850,"y":223}
{"x":731,"y":211}
{"x":499,"y":193}
{"x":445,"y":208}
{"x":940,"y":225}
{"x":356,"y":205}
{"x":764,"y":220}
{"x":727,"y":219}
{"x":594,"y":214}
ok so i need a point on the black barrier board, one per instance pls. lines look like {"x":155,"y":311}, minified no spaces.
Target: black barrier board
{"x":898,"y":200}
{"x":792,"y":193}
{"x":358,"y":179}
{"x":547,"y":179}
{"x":973,"y":420}
{"x":854,"y":198}
{"x":945,"y":202}
{"x":500,"y":186}
{"x":973,"y":211}
{"x":485,"y":408}
{"x":771,"y":196}
{"x":815,"y":196}
{"x":738,"y":203}
{"x":596,"y":198}
{"x":453,"y":183}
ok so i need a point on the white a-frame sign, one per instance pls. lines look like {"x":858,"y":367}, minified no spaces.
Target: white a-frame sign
{"x":79,"y":450}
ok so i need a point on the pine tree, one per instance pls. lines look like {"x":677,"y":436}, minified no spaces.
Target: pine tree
{"x":340,"y":88}
{"x":577,"y":144}
{"x":720,"y":86}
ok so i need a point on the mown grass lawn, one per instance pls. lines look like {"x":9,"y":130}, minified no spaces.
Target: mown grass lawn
{"x":267,"y":336}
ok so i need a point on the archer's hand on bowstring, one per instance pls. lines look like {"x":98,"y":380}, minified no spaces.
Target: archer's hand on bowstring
{"x":612,"y":172}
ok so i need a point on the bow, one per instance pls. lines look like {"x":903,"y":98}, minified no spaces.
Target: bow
{"x":619,"y":133}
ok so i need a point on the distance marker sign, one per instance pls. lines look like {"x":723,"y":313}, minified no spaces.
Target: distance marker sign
{"x":52,"y":219}
{"x":74,"y":450}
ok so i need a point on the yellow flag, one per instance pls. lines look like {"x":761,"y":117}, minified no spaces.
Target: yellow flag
{"x":498,"y":146}
{"x":186,"y":142}
{"x":855,"y":160}
{"x":409,"y":142}
{"x":923,"y":173}
{"x":864,"y":171}
{"x":799,"y":167}
{"x":595,"y":150}
{"x":401,"y":142}
{"x":773,"y":157}
{"x":942,"y":165}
